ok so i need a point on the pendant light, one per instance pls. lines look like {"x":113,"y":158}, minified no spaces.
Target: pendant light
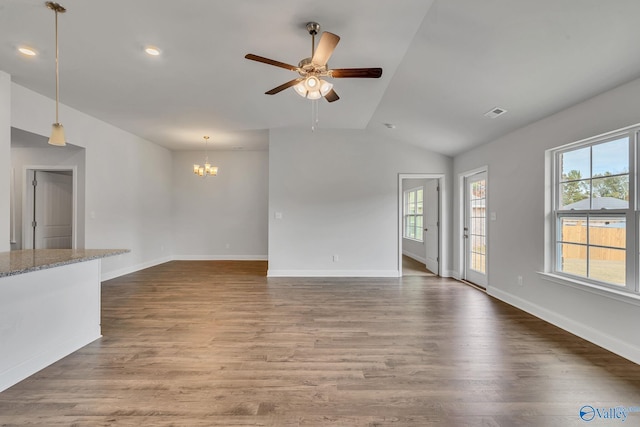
{"x":57,"y":131}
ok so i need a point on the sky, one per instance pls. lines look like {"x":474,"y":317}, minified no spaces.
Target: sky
{"x":611,"y":156}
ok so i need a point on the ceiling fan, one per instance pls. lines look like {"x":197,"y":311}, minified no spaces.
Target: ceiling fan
{"x":310,"y":84}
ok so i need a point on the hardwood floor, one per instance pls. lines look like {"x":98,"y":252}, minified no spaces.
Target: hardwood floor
{"x":218,"y":344}
{"x":411,"y":267}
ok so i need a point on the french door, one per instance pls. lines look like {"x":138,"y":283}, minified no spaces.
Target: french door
{"x":475,"y":229}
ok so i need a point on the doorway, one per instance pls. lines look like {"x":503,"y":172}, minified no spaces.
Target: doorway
{"x":419,"y":223}
{"x":49,"y":209}
{"x":474,"y":230}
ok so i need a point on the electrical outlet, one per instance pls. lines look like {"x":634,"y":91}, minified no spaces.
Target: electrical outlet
{"x":336,"y":258}
{"x":520,"y":281}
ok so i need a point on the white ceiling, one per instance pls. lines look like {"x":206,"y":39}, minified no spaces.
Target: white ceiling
{"x":446,"y":63}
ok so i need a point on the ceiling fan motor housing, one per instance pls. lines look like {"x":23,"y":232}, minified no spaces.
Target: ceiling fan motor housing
{"x":307,"y":68}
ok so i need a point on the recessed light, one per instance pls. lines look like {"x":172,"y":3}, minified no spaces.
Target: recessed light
{"x":27,"y":51}
{"x":152,"y":50}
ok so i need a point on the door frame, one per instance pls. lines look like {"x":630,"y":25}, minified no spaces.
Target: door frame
{"x":27,"y":201}
{"x":442,"y":215}
{"x":462,"y":216}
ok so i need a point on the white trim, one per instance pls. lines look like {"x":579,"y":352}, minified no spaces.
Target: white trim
{"x":133,"y":268}
{"x":618,"y":295}
{"x":597,"y":337}
{"x":587,"y":141}
{"x":414,"y":256}
{"x":334,"y":273}
{"x":220,"y":258}
{"x":12,"y":204}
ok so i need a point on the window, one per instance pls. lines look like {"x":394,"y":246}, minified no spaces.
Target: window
{"x":413,"y":207}
{"x":595,"y":221}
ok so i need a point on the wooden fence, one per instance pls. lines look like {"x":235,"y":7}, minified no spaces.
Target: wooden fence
{"x":601,"y":236}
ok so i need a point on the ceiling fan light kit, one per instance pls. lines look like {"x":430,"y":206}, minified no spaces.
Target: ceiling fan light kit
{"x":313,"y":88}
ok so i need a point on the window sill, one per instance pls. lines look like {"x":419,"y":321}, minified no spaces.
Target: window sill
{"x":615,"y":294}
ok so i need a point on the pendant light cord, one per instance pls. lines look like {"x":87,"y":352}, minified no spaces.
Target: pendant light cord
{"x":57,"y":69}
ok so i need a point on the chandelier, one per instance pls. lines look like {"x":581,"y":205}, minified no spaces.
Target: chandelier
{"x":207,"y":169}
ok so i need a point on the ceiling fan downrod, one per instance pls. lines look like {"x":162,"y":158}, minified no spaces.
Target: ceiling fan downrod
{"x":313,"y":28}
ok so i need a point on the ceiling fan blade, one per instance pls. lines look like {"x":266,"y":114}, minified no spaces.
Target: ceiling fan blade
{"x":332,"y":96}
{"x":283,"y":86}
{"x":372,"y":73}
{"x":264,"y":60}
{"x":327,"y":44}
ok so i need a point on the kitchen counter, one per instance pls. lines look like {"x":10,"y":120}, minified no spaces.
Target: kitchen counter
{"x":24,"y":261}
{"x":49,"y":307}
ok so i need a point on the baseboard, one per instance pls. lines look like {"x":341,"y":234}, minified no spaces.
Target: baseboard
{"x":452,"y":274}
{"x":29,"y":367}
{"x":595,"y":336}
{"x":415,"y":257}
{"x":220,"y":258}
{"x":132,"y":269}
{"x":333,"y":273}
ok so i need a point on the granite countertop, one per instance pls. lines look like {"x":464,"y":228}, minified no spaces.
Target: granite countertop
{"x":19,"y":262}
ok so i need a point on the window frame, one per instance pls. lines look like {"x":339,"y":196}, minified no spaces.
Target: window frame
{"x":631,"y":215}
{"x":406,"y":215}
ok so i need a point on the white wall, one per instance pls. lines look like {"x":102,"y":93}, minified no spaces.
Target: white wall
{"x":516,"y":239}
{"x":5,"y":159}
{"x":413,"y":248}
{"x":337,"y":192}
{"x":128,"y":183}
{"x":222,"y":217}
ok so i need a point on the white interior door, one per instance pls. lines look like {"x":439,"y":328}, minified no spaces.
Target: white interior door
{"x":475,"y":229}
{"x":431,"y":226}
{"x":53,"y":221}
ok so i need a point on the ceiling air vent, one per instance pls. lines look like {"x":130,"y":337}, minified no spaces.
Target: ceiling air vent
{"x":495,"y":112}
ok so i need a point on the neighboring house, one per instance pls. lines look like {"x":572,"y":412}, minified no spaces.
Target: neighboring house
{"x":598,"y":203}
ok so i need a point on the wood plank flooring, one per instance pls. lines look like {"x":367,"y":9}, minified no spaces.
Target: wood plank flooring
{"x":411,"y":267}
{"x":218,"y":344}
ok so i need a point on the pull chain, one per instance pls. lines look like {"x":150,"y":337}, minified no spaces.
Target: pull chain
{"x":314,"y":115}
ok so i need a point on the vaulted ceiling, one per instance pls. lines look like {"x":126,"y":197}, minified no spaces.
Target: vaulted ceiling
{"x":446,"y":63}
